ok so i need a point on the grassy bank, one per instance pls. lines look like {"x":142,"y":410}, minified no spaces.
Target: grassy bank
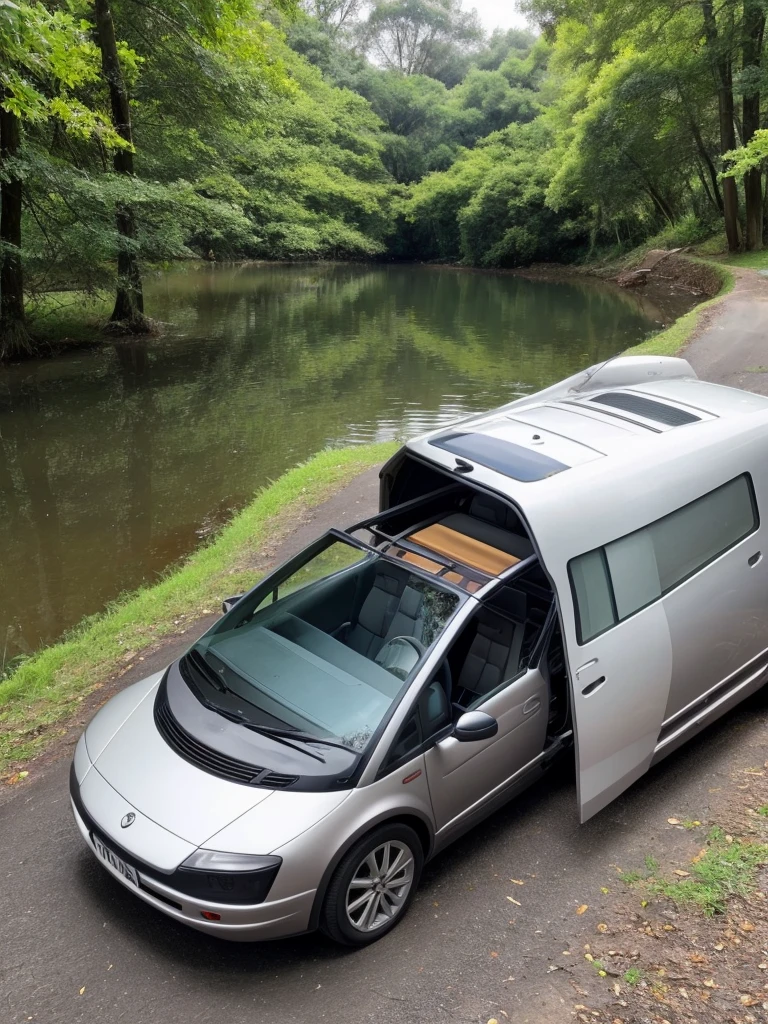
{"x":60,"y":319}
{"x":675,"y":337}
{"x":48,"y":687}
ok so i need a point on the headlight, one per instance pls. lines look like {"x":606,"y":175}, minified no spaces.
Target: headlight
{"x":227,"y":877}
{"x":214,"y":860}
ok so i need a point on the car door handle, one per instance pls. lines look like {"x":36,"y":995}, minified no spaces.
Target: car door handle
{"x":531,"y":705}
{"x":587,"y":664}
{"x":757,"y":557}
{"x":591,"y":687}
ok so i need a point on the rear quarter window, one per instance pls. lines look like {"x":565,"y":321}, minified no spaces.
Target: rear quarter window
{"x":614,"y":582}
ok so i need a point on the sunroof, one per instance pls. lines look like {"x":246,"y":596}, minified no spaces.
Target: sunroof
{"x":669,"y":415}
{"x":513,"y":460}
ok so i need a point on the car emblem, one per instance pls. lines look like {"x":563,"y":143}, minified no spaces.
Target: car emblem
{"x":129,"y":819}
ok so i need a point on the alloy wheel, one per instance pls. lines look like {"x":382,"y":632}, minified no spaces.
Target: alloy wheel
{"x":380,"y":886}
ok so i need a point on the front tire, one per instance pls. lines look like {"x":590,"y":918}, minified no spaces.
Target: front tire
{"x":373,"y":885}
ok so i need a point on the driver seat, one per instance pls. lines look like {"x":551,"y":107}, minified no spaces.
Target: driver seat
{"x":391,"y":608}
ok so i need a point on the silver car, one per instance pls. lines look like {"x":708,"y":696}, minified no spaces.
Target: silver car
{"x":586,"y":560}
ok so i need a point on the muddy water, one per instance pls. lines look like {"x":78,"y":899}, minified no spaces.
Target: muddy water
{"x":116,"y":461}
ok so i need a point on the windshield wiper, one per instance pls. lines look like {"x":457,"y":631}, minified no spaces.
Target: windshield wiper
{"x":295,"y":734}
{"x":208,"y":673}
{"x":280,"y":735}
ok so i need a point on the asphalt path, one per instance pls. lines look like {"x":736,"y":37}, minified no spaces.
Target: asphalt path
{"x":75,"y":946}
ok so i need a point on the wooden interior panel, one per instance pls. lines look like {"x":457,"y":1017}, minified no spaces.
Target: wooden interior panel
{"x":463,"y":549}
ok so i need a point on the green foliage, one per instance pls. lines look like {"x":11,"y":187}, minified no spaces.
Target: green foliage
{"x":490,"y":208}
{"x":633,"y":976}
{"x":421,"y":37}
{"x":45,"y":56}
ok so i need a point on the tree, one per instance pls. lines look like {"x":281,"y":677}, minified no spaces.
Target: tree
{"x":752,"y":53}
{"x":44,"y":56}
{"x":129,"y":301}
{"x":719,"y":50}
{"x":421,"y":37}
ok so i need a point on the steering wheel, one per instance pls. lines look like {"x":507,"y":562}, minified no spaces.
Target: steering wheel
{"x":397,"y":655}
{"x":419,"y":647}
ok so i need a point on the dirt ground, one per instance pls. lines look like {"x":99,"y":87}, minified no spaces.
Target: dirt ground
{"x":664,"y":963}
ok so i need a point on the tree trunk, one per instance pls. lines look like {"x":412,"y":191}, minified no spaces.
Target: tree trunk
{"x":711,"y":169}
{"x":14,"y":339}
{"x":721,"y":63}
{"x":129,"y":302}
{"x":754,"y":27}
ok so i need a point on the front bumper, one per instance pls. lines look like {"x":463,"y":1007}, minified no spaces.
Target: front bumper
{"x":272,"y":920}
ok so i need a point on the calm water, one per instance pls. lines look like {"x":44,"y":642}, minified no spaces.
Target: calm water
{"x":115,"y":461}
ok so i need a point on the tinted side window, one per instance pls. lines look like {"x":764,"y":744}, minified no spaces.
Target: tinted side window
{"x":612,"y":583}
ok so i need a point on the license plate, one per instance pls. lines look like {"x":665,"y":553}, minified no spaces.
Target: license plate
{"x":114,"y":861}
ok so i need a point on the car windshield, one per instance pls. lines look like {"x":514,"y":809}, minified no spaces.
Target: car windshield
{"x":327,"y":648}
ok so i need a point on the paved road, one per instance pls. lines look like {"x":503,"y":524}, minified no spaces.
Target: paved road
{"x":732,"y":348}
{"x":67,"y":925}
{"x":463,"y":954}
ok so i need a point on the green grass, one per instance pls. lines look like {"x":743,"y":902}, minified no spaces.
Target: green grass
{"x":726,"y":869}
{"x":749,"y":260}
{"x":674,"y":338}
{"x":76,"y":317}
{"x":44,"y":690}
{"x":633,"y":976}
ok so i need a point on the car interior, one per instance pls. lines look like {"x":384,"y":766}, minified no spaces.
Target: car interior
{"x":373,"y":621}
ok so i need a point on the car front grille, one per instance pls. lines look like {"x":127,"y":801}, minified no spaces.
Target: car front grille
{"x":208,"y":760}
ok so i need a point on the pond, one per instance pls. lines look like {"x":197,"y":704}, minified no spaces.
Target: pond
{"x":116,"y":461}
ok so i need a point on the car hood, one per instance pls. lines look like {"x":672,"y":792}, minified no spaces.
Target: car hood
{"x":140,"y":766}
{"x":135,"y":761}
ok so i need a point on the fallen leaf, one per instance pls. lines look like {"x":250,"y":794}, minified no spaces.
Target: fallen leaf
{"x":748,"y":1001}
{"x":602,"y":927}
{"x":719,"y":945}
{"x":494,"y":955}
{"x":493,"y":1020}
{"x":582,"y":908}
{"x":697,"y":958}
{"x":517,"y":881}
{"x":617,"y":988}
{"x":747,"y":926}
{"x":673,"y":821}
{"x":683,"y":992}
{"x":604,"y":891}
{"x":682,"y":874}
{"x":82,"y":990}
{"x":588,"y":956}
{"x":710,"y":983}
{"x":511,"y":900}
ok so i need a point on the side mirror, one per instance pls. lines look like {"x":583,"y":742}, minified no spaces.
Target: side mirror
{"x":475,"y":725}
{"x":229,"y":602}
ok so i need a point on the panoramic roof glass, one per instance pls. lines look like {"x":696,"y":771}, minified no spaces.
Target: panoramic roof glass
{"x":513,"y":460}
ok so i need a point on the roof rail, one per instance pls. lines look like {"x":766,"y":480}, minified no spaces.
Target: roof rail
{"x":618,"y":372}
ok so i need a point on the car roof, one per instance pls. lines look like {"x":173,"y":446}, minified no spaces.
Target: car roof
{"x":586,"y":448}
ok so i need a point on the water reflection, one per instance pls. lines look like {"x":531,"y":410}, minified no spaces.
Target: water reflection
{"x":114,"y":462}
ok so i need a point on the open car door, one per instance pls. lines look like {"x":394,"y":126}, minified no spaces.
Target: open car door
{"x":620,"y":684}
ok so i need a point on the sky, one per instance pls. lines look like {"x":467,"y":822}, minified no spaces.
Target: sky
{"x":497,"y":13}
